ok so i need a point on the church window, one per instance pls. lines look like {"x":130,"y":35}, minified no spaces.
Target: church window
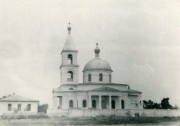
{"x":100,"y":77}
{"x":84,"y":103}
{"x":94,"y":103}
{"x":71,"y":104}
{"x":9,"y":107}
{"x":122,"y":104}
{"x":89,"y":77}
{"x":70,"y":76}
{"x":109,"y":77}
{"x":70,"y":59}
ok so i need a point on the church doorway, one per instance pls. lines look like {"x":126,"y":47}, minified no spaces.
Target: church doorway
{"x":113,"y":104}
{"x":122,"y":104}
{"x":93,"y":103}
{"x":105,"y":102}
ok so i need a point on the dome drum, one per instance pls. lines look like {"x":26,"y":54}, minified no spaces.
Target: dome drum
{"x":97,"y":76}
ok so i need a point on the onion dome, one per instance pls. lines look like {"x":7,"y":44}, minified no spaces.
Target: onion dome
{"x":97,"y":63}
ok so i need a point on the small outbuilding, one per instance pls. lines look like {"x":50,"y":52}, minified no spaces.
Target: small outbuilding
{"x":12,"y":104}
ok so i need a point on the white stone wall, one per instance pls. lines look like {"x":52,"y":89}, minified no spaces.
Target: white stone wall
{"x":95,"y":76}
{"x":4,"y":107}
{"x":116,"y":112}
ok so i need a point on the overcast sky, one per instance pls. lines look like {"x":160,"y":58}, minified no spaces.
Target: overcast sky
{"x":139,"y":38}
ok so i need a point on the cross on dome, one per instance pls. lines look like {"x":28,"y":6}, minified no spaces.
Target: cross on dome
{"x":96,"y":45}
{"x":69,"y":29}
{"x":97,"y":50}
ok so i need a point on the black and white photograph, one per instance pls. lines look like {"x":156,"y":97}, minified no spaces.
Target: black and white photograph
{"x":89,"y":62}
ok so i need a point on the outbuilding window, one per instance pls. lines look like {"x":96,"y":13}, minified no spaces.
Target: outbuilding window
{"x":28,"y":108}
{"x":9,"y":107}
{"x":19,"y":107}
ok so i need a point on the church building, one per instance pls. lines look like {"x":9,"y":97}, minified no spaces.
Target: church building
{"x":97,"y":90}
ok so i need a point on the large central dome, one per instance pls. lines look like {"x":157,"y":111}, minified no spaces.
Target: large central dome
{"x":97,"y":63}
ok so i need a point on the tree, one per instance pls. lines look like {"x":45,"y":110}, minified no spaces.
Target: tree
{"x":165,"y":104}
{"x":175,"y":107}
{"x":148,"y":104}
{"x":43,"y":108}
{"x":157,"y":106}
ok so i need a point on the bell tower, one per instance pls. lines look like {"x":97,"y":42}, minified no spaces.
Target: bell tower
{"x":69,"y":69}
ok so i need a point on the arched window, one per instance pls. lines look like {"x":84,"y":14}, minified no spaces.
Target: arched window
{"x":70,"y":59}
{"x":109,"y":77}
{"x":113,"y":104}
{"x":122,"y":104}
{"x":71,"y":104}
{"x":70,"y":76}
{"x":94,"y":103}
{"x":100,"y":77}
{"x":89,"y":77}
{"x":84,"y":103}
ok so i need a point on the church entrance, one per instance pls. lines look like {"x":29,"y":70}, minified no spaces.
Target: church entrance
{"x":113,"y":104}
{"x":93,"y":103}
{"x":105,"y":102}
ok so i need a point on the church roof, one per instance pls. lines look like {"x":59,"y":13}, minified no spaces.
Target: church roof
{"x":105,"y":89}
{"x":17,"y":98}
{"x":133,"y":91}
{"x":69,"y":44}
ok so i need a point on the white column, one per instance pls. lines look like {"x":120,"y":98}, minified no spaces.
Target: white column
{"x":110,"y":106}
{"x":55,"y":102}
{"x":100,"y":102}
{"x":60,"y":102}
{"x":119,"y":102}
{"x":89,"y":101}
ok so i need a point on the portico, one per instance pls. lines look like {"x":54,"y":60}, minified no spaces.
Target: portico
{"x":105,"y":99}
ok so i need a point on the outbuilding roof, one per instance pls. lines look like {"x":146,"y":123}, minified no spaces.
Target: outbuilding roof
{"x":17,"y":98}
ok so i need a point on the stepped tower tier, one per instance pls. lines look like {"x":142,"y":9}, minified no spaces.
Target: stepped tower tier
{"x":69,"y":69}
